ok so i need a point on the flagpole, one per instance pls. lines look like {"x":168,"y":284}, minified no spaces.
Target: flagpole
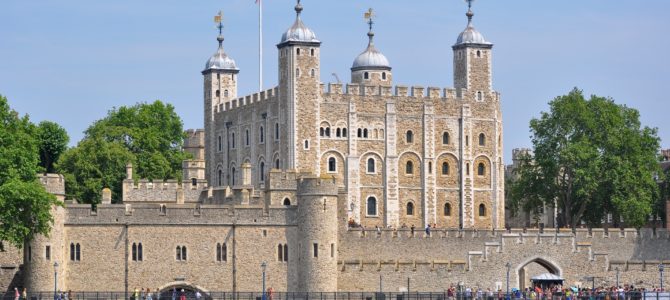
{"x":260,"y":45}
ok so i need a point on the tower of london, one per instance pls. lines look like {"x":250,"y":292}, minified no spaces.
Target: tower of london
{"x":333,"y":187}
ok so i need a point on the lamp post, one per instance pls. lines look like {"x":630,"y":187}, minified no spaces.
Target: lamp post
{"x":617,"y":276}
{"x":508,"y":265}
{"x":661,"y":267}
{"x":263,"y":266}
{"x":55,"y":280}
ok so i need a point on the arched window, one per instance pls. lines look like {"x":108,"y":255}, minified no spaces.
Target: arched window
{"x":482,"y":210}
{"x":332,"y":164}
{"x":366,"y":75}
{"x":482,"y":139}
{"x":409,"y":137}
{"x":262,"y":171}
{"x":365,"y":133}
{"x":445,"y":138}
{"x":409,"y":167}
{"x":445,"y":168}
{"x":313,"y":72}
{"x":360,"y":133}
{"x":447,"y":209}
{"x":225,"y":93}
{"x":232,"y":176}
{"x":220,"y":178}
{"x":338,"y":133}
{"x":285,"y":252}
{"x":306,"y":144}
{"x":72,"y":254}
{"x":371,"y":206}
{"x":430,"y":167}
{"x":224,"y":252}
{"x":410,"y":209}
{"x":481,"y":169}
{"x":344,"y":132}
{"x":218,"y":93}
{"x":134,"y":251}
{"x":467,"y":169}
{"x":297,"y":51}
{"x":287,"y":202}
{"x":140,"y":256}
{"x":328,"y":131}
{"x":311,"y":52}
{"x":322,"y":132}
{"x":183,"y":253}
{"x":218,"y":252}
{"x":77,"y":250}
{"x":383,"y":75}
{"x":280,"y":252}
{"x":277,"y":163}
{"x":371,"y":165}
{"x":246,"y":141}
{"x":479,"y":53}
{"x":479,"y":96}
{"x":261,"y":131}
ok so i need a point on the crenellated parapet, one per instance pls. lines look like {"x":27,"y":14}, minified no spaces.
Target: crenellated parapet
{"x":169,"y":191}
{"x":54,"y":184}
{"x":267,"y":95}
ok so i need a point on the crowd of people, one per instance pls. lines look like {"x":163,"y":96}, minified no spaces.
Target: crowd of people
{"x":353,"y":224}
{"x":554,"y":292}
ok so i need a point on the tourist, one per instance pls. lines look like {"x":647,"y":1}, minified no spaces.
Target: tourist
{"x":149,"y":295}
{"x":136,"y":294}
{"x":24,"y":294}
{"x":428,"y":230}
{"x":17,"y":295}
{"x":489,"y":294}
{"x":174,"y":293}
{"x":198,"y":295}
{"x":450,"y":293}
{"x":143,"y":295}
{"x":411,"y":229}
{"x":157,"y":294}
{"x":182,"y":296}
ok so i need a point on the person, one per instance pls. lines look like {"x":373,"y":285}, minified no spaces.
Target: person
{"x":143,"y":295}
{"x":174,"y":293}
{"x":270,"y":292}
{"x":24,"y":294}
{"x":428,"y":230}
{"x":157,"y":294}
{"x":149,"y":295}
{"x":182,"y":296}
{"x":136,"y":294}
{"x":411,"y":229}
{"x":198,"y":295}
{"x":69,"y":294}
{"x":16,"y":293}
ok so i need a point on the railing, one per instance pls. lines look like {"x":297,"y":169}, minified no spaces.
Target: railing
{"x":190,"y":295}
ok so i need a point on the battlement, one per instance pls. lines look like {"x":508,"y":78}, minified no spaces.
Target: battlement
{"x":312,"y":185}
{"x":195,"y":138}
{"x":247,"y":100}
{"x":54,"y":184}
{"x":665,"y":153}
{"x":418,"y":92}
{"x":169,"y":191}
{"x":282,"y":180}
{"x":517,"y":153}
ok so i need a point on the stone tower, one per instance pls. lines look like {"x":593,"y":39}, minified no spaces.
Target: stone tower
{"x":220,"y":87}
{"x":194,"y":169}
{"x":472,"y":61}
{"x":317,"y":234}
{"x":42,"y":252}
{"x":299,"y":85}
{"x":371,"y":67}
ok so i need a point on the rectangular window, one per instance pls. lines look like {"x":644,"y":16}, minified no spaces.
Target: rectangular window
{"x":316,"y":249}
{"x":30,"y":253}
{"x":47,"y":253}
{"x":332,"y":250}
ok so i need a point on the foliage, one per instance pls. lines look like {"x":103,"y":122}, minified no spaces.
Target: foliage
{"x":150,"y":136}
{"x":53,"y":141}
{"x":592,"y":157}
{"x":25,"y":206}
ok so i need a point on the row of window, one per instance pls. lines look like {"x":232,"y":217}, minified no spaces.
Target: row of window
{"x":409,"y":167}
{"x":366,"y":75}
{"x":371,"y":208}
{"x":326,"y":132}
{"x":247,"y":138}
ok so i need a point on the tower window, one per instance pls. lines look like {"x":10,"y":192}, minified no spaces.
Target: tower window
{"x":332,"y":250}
{"x":181,"y":254}
{"x":328,"y":131}
{"x":482,"y":210}
{"x":137,"y":252}
{"x":467,"y":169}
{"x":232,"y":176}
{"x":430,"y":167}
{"x":285,"y":252}
{"x":232,"y":140}
{"x":482,"y":139}
{"x":481,"y":169}
{"x":312,"y":72}
{"x":219,"y":178}
{"x":221,"y":252}
{"x":332,"y":165}
{"x":445,"y":138}
{"x":371,"y":165}
{"x":479,"y":53}
{"x":338,"y":132}
{"x":409,"y":137}
{"x":311,"y":52}
{"x":447,"y":209}
{"x":366,"y":75}
{"x":218,"y":93}
{"x":409,"y":168}
{"x":383,"y":75}
{"x":344,"y":132}
{"x":261,"y":132}
{"x":277,"y":163}
{"x":297,"y":72}
{"x":360,"y":133}
{"x":479,"y":96}
{"x":225,"y":93}
{"x":315,"y":247}
{"x":365,"y":133}
{"x":47,"y":253}
{"x":246,"y":137}
{"x":218,"y":76}
{"x":297,"y":51}
{"x":280,"y":252}
{"x":306,"y":144}
{"x":220,"y":143}
{"x":410,"y":209}
{"x":371,"y":206}
{"x":194,"y":181}
{"x":287,"y":202}
{"x":262,"y":171}
{"x":445,"y":168}
{"x":467,"y":140}
{"x":75,"y":252}
{"x":276,"y":131}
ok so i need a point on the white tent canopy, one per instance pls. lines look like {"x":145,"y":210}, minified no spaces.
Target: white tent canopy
{"x":547,"y":277}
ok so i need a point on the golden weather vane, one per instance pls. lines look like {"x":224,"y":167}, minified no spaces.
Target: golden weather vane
{"x":218,"y":19}
{"x":369,"y":15}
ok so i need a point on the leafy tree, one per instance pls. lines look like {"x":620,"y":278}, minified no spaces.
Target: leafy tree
{"x":93,"y":165}
{"x":25,"y":206}
{"x":53,"y":141}
{"x":592,"y":157}
{"x":150,"y":136}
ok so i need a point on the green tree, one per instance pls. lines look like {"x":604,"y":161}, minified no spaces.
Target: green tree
{"x":53,"y":141}
{"x":591,"y":157}
{"x":25,"y":206}
{"x":150,"y":136}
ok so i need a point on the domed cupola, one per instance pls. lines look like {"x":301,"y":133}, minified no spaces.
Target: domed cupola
{"x":220,"y":60}
{"x":371,"y":67}
{"x":298,"y":33}
{"x":470,"y":36}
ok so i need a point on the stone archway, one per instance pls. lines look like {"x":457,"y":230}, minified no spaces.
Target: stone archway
{"x":167,"y":291}
{"x":543,"y":263}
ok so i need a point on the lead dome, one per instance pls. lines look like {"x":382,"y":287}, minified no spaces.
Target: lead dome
{"x":371,"y":58}
{"x":220,"y":60}
{"x":298,"y":32}
{"x":470,"y":35}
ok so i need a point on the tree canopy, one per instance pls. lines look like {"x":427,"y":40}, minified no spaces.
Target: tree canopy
{"x":25,"y":206}
{"x":148,"y":135}
{"x":53,"y":141}
{"x":591,"y":157}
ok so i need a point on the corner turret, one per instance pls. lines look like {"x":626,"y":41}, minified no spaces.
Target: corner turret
{"x":371,"y":67}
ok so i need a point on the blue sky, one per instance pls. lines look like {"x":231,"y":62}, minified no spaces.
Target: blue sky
{"x":72,"y":61}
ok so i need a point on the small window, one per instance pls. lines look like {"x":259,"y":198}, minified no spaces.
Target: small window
{"x":482,"y":139}
{"x":365,"y":133}
{"x":383,"y":75}
{"x":430,"y":167}
{"x":409,"y":137}
{"x":410,"y":209}
{"x":479,"y":53}
{"x":276,"y":131}
{"x":409,"y":168}
{"x":332,"y":165}
{"x":371,"y":165}
{"x":246,"y":140}
{"x":328,"y":131}
{"x":277,"y":163}
{"x":47,"y":253}
{"x":445,"y":168}
{"x":366,"y":75}
{"x":481,"y":169}
{"x":338,"y":132}
{"x":297,"y":72}
{"x":261,"y":131}
{"x":467,"y":169}
{"x":30,"y":253}
{"x":311,"y":52}
{"x":287,"y":202}
{"x":467,"y":140}
{"x":194,"y":181}
{"x":220,"y":178}
{"x":224,"y":252}
{"x":77,"y":252}
{"x":140,"y":255}
{"x":162,"y":209}
{"x":447,"y":209}
{"x":332,"y":250}
{"x":344,"y":132}
{"x":445,"y":138}
{"x":262,"y":171}
{"x":232,"y":176}
{"x":285,"y":252}
{"x":360,"y":133}
{"x":280,"y":252}
{"x":306,"y":144}
{"x":72,"y":252}
{"x":225,"y":93}
{"x":315,"y":248}
{"x":371,"y":206}
{"x":218,"y":93}
{"x":182,"y":254}
{"x":482,"y":210}
{"x":232,"y":140}
{"x":134,"y":252}
{"x":218,"y":76}
{"x":479,"y":96}
{"x":297,"y":51}
{"x":178,"y":254}
{"x":313,"y":72}
{"x":220,"y":143}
